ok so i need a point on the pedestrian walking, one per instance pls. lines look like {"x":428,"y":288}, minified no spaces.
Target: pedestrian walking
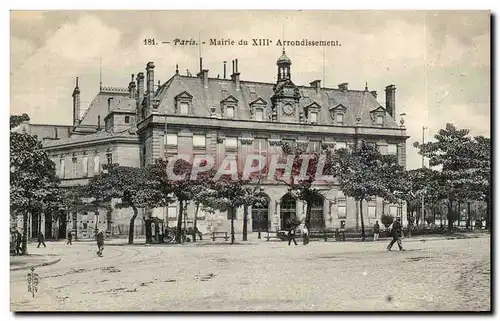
{"x":19,"y":242}
{"x":41,"y":240}
{"x":100,"y":242}
{"x":291,"y":236}
{"x":70,"y":238}
{"x":396,"y":235}
{"x":305,"y":235}
{"x":376,"y":231}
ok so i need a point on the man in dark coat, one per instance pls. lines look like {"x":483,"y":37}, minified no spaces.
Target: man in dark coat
{"x":291,"y":236}
{"x":396,"y":235}
{"x":41,"y":240}
{"x":100,"y":242}
{"x":70,"y":238}
{"x":376,"y":231}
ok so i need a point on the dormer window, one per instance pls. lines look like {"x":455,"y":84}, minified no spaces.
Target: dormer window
{"x":230,"y":112}
{"x":313,"y":117}
{"x":259,"y":114}
{"x":337,"y":113}
{"x":378,"y":116}
{"x":228,"y":107}
{"x":257,"y":108}
{"x":312,"y":111}
{"x":183,"y":103}
{"x":184,"y":108}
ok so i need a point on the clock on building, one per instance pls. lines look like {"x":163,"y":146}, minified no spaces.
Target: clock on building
{"x":288,"y":109}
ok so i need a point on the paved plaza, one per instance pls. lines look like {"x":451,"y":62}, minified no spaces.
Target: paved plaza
{"x":435,"y":275}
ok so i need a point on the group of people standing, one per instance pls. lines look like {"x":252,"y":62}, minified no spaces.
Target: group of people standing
{"x":395,"y":231}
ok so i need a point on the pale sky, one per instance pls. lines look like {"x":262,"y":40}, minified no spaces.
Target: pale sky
{"x":439,"y":61}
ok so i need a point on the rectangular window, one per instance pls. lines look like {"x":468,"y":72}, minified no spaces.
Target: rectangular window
{"x":61,"y":168}
{"x":172,"y":212}
{"x":259,"y":114}
{"x":340,"y":118}
{"x":392,"y":149}
{"x":184,"y":108}
{"x":314,"y":117}
{"x":199,"y":141}
{"x":314,"y":147}
{"x":231,"y":143}
{"x":109,"y":157}
{"x":127,"y":119}
{"x":172,"y":140}
{"x":229,"y":112}
{"x":380,"y":119}
{"x":74,"y":168}
{"x":97,"y":165}
{"x":85,"y":166}
{"x":372,"y":211}
{"x":85,"y":226}
{"x":339,"y":145}
{"x":342,"y":212}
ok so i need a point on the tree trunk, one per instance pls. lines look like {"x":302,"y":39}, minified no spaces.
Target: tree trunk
{"x":459,"y":213}
{"x":195,"y":221}
{"x":149,"y":234}
{"x":307,"y":223}
{"x":450,"y":216}
{"x":131,"y":226}
{"x":469,"y":223}
{"x":178,"y":234}
{"x":245,"y":222}
{"x":24,"y":243}
{"x":362,"y":220}
{"x":232,"y":226}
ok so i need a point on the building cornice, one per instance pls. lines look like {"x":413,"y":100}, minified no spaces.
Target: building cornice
{"x":94,"y":142}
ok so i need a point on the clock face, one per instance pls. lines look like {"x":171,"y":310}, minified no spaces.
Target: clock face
{"x":288,"y":109}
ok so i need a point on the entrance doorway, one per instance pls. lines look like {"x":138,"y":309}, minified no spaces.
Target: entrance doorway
{"x":317,"y":218}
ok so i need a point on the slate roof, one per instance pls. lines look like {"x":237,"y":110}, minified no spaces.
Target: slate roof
{"x":358,"y":103}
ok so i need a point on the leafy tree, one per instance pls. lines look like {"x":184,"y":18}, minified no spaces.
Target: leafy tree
{"x":128,"y":184}
{"x":32,"y":175}
{"x":461,"y":160}
{"x":386,"y":220}
{"x":363,"y":173}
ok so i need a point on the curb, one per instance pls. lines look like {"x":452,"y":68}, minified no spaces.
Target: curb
{"x":27,"y":267}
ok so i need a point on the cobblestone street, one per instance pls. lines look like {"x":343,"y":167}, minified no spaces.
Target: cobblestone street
{"x":443,"y":275}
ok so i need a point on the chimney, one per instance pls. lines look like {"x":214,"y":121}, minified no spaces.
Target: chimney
{"x":201,"y":64}
{"x":235,"y":77}
{"x":76,"y":104}
{"x":150,"y":82}
{"x":374,"y":93}
{"x":98,"y":123}
{"x":109,"y":103}
{"x":204,"y":76}
{"x":316,"y":84}
{"x":343,"y":86}
{"x":140,"y":87}
{"x":131,"y":88}
{"x":390,"y":100}
{"x":225,"y":69}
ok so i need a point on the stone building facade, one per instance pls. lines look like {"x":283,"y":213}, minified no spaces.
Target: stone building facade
{"x":193,"y":115}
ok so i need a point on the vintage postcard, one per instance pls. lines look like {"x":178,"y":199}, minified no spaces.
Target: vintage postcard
{"x":250,"y":161}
